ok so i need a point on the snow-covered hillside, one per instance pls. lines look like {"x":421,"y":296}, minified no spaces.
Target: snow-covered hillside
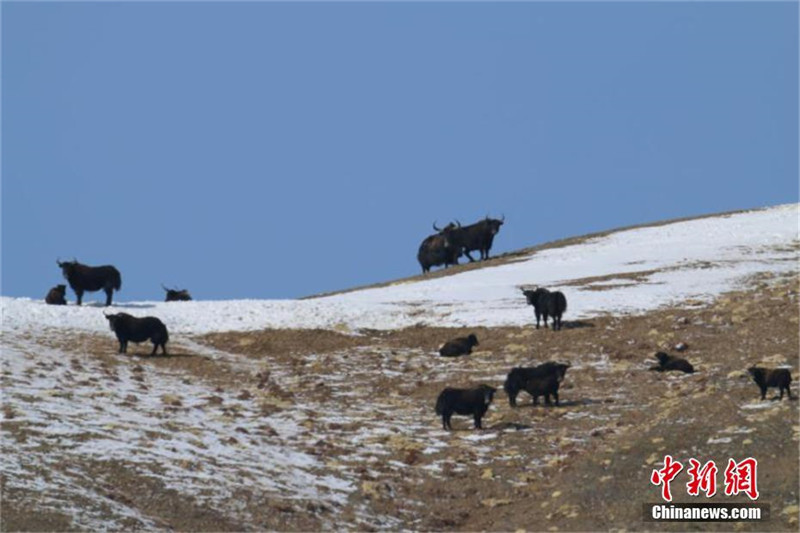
{"x":254,"y":428}
{"x":641,"y":269}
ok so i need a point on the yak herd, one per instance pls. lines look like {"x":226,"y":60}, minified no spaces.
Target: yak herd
{"x":544,"y":380}
{"x":443,"y":248}
{"x":83,"y":278}
{"x":454,"y":240}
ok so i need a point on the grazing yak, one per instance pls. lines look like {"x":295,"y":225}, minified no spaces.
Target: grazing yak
{"x":175,"y":295}
{"x":84,"y":278}
{"x":473,"y":402}
{"x":544,"y":302}
{"x":772,"y":377}
{"x":459,"y":346}
{"x":668,"y":362}
{"x":130,"y":328}
{"x":439,"y":249}
{"x":542,"y":380}
{"x":478,"y":236}
{"x":57,"y":295}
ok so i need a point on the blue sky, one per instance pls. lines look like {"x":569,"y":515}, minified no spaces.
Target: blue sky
{"x":271,"y":150}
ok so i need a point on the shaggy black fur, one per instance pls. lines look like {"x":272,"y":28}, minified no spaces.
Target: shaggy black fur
{"x":129,"y":328}
{"x":473,"y":402}
{"x":459,"y":346}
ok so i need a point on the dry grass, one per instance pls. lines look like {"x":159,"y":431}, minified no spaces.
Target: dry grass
{"x":364,"y":407}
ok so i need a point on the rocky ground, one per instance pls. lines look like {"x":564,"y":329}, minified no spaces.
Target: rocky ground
{"x":313,"y":430}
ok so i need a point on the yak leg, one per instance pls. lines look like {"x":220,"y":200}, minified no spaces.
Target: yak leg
{"x":555,"y":396}
{"x":545,"y":319}
{"x":477,"y":418}
{"x":109,"y":292}
{"x":79,"y":294}
{"x":547,"y":400}
{"x":538,"y":316}
{"x":466,"y":252}
{"x":763,"y":393}
{"x":164,"y":348}
{"x":446,"y":421}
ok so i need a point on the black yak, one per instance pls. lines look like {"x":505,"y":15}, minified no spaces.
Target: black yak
{"x":542,"y":380}
{"x":176,"y":295}
{"x":546,"y":303}
{"x":772,"y":377}
{"x":439,"y":249}
{"x":130,"y":328}
{"x":459,"y":346}
{"x":478,"y":236}
{"x":473,"y":402}
{"x":57,"y":295}
{"x":668,"y":362}
{"x":84,"y":278}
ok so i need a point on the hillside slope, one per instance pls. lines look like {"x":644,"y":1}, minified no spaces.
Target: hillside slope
{"x":622,"y":272}
{"x":328,"y":423}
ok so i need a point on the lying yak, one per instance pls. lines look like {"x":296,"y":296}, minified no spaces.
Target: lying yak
{"x":57,"y":295}
{"x":473,"y":402}
{"x":130,"y":328}
{"x":459,"y":346}
{"x":176,"y":295}
{"x":668,"y":362}
{"x":542,"y":380}
{"x":772,"y":377}
{"x":547,"y":304}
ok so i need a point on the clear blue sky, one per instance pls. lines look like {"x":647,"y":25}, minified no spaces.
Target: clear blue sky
{"x":273,"y":150}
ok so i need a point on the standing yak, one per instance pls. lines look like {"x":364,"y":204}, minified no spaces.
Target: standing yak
{"x":84,"y":278}
{"x":130,"y":328}
{"x":439,"y":249}
{"x":478,"y":236}
{"x":544,"y":302}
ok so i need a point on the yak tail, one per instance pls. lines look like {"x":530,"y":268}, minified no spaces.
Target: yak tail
{"x":117,"y":280}
{"x":562,"y":301}
{"x":440,"y":404}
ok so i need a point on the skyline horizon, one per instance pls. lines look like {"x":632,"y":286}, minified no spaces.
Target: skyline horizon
{"x":278,"y":150}
{"x":436,"y":272}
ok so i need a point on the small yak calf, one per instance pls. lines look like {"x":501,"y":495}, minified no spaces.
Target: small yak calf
{"x":473,"y":402}
{"x":668,"y":362}
{"x":542,"y":380}
{"x":546,"y":303}
{"x":459,"y":346}
{"x":130,"y":328}
{"x":57,"y":295}
{"x":772,"y":377}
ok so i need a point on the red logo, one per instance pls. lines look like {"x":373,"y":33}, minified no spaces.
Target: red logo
{"x":739,"y":477}
{"x":704,"y":479}
{"x":665,"y":476}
